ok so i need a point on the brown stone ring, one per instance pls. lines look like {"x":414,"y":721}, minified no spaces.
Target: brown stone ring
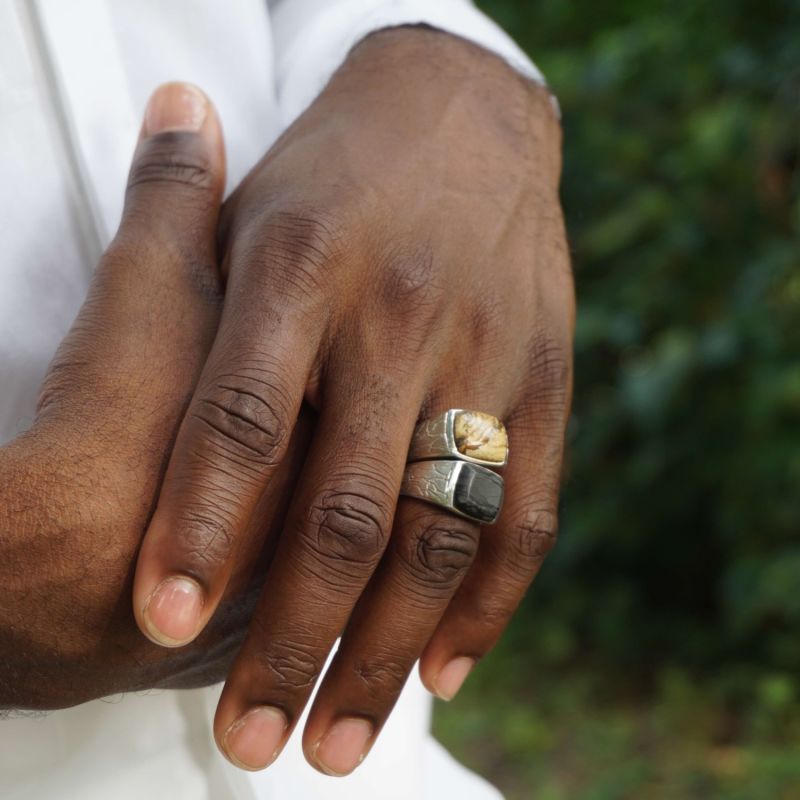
{"x":464,"y":435}
{"x":448,"y":461}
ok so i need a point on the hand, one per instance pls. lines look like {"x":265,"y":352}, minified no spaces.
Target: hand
{"x":398,"y":252}
{"x":77,"y":490}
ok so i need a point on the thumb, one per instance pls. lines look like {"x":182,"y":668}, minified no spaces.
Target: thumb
{"x":177,"y":177}
{"x":142,"y":335}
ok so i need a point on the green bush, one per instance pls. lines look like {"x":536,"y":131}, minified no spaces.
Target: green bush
{"x":658,"y":654}
{"x":681,"y":507}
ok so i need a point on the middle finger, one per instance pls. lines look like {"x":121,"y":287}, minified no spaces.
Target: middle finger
{"x":338,"y":527}
{"x":429,"y":553}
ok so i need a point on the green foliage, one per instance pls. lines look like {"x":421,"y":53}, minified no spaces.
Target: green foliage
{"x":679,"y":551}
{"x":682,"y":195}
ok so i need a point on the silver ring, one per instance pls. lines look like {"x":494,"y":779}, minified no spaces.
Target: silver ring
{"x":465,"y":435}
{"x":468,"y":490}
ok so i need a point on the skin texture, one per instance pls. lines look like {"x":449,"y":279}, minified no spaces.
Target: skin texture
{"x":398,"y":252}
{"x":77,"y":490}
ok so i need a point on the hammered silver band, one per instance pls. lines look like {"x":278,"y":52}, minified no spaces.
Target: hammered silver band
{"x":466,"y":489}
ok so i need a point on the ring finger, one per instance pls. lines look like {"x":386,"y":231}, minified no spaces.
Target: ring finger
{"x":337,"y":530}
{"x":429,"y":553}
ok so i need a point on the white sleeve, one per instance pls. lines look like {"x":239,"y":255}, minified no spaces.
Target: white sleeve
{"x":313,"y":37}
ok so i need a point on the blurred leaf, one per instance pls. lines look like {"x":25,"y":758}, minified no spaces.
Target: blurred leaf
{"x":681,"y":507}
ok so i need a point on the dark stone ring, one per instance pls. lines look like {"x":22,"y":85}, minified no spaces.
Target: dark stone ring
{"x":466,"y":489}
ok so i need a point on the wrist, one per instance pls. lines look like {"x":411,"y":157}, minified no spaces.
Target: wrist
{"x":426,"y":74}
{"x":450,"y":59}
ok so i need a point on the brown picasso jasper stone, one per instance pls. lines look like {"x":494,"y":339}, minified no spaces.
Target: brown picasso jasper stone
{"x":480,"y":436}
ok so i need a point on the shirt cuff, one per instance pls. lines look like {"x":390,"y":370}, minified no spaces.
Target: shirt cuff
{"x":313,"y":37}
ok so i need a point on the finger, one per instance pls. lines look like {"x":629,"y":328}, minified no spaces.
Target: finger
{"x":512,"y":551}
{"x":226,"y":630}
{"x":338,"y":528}
{"x":429,"y":553}
{"x":154,"y":299}
{"x":230,"y":444}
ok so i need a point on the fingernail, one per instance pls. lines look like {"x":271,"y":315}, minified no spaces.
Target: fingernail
{"x":172,"y":612}
{"x":175,"y":107}
{"x":253,"y":741}
{"x":452,"y":677}
{"x":344,"y":746}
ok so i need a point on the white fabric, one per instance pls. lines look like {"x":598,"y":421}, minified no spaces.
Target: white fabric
{"x":328,"y":29}
{"x":74,"y":79}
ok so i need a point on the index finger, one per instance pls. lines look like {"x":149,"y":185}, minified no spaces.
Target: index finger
{"x":232,"y":440}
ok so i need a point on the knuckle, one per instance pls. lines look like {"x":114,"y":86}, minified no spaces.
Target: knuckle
{"x":207,"y":539}
{"x":246,"y":419}
{"x":486,"y":322}
{"x":409,"y":280}
{"x":349,"y":526}
{"x":493,"y":612}
{"x":439,"y":551}
{"x":381,"y":678}
{"x":410,"y":296}
{"x":299,"y":245}
{"x":536,"y":535}
{"x":288,"y":665}
{"x":172,"y":158}
{"x":550,"y":365}
{"x":544,"y":403}
{"x":167,"y":249}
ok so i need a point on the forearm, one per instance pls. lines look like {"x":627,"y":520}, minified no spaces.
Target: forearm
{"x":26,"y":525}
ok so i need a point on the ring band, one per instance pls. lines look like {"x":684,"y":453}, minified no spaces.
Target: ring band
{"x":470,"y":436}
{"x":469,"y":490}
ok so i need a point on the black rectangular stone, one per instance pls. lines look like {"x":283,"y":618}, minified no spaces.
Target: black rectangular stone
{"x":479,"y":493}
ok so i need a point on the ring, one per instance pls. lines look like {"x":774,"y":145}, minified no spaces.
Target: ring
{"x":465,"y":435}
{"x":468,"y":490}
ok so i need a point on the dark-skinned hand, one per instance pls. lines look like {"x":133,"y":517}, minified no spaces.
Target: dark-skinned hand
{"x":78,"y":489}
{"x":398,"y":252}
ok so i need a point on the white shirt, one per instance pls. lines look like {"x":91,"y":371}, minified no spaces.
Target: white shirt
{"x":74,"y":80}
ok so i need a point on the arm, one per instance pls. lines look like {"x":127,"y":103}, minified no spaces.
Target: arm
{"x":77,"y":490}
